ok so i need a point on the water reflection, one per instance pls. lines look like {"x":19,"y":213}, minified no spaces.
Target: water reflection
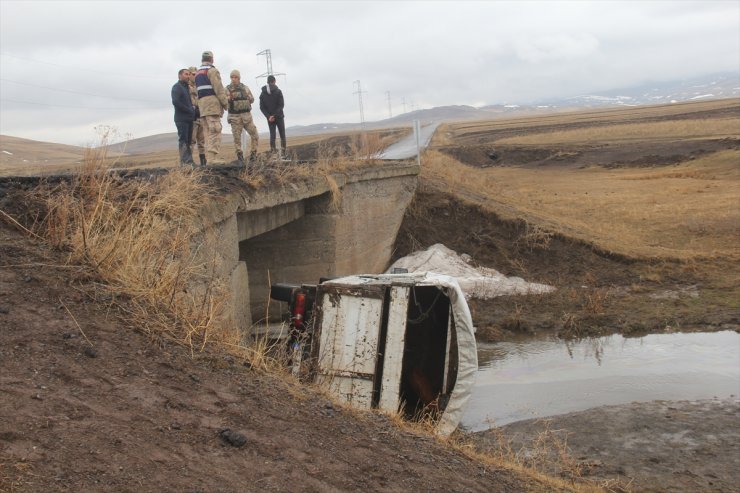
{"x":544,"y":377}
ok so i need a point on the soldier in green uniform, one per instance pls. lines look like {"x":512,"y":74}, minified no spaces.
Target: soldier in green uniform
{"x":240,"y":115}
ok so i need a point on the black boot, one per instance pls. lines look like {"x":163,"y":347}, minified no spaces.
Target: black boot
{"x":252,"y":155}
{"x":202,"y":159}
{"x":182,"y":148}
{"x":240,"y":157}
{"x":189,"y":156}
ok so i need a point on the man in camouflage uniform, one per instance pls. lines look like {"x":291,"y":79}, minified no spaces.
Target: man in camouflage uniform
{"x":212,"y":102}
{"x":198,"y":125}
{"x":240,"y":115}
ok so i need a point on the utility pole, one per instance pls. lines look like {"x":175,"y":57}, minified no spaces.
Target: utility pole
{"x":403,"y":101}
{"x":390,"y":111}
{"x":359,"y":97}
{"x":268,"y":57}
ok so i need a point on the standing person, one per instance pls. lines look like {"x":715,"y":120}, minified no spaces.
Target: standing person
{"x":271,"y":105}
{"x":212,"y":102}
{"x":184,"y":115}
{"x":240,"y":115}
{"x":198,"y":137}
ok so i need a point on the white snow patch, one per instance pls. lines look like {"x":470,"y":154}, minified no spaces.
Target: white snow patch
{"x":8,"y":153}
{"x":703,"y":96}
{"x":476,"y":282}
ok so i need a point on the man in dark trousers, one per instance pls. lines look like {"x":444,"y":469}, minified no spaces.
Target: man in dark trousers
{"x":271,"y":105}
{"x":184,"y":115}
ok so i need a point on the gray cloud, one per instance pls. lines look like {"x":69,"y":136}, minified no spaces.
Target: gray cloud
{"x":124,"y":55}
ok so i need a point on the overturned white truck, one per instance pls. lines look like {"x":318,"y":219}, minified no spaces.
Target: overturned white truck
{"x":397,"y":342}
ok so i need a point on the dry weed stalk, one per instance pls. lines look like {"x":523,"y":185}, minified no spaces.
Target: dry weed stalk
{"x":535,"y":237}
{"x":594,"y":302}
{"x":140,"y":236}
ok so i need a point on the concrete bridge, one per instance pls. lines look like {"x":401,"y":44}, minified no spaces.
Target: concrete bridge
{"x":320,"y":226}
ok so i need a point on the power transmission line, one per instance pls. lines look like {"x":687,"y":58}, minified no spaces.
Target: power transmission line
{"x":76,"y":69}
{"x":78,"y":92}
{"x":268,"y":58}
{"x":77,"y":107}
{"x":359,"y":97}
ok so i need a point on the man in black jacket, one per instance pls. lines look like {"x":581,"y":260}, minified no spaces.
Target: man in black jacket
{"x":271,"y":105}
{"x":184,"y":115}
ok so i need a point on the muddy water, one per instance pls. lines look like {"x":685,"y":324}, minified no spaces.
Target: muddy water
{"x":545,"y":377}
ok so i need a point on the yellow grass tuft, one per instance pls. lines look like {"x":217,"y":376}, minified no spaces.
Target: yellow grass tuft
{"x":685,"y":211}
{"x":138,"y":235}
{"x":625,"y":132}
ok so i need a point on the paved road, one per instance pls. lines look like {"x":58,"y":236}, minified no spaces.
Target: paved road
{"x":406,"y":147}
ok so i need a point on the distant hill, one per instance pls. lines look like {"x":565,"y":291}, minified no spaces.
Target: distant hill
{"x":13,"y":147}
{"x":18,"y":156}
{"x":154,"y":143}
{"x":717,"y":86}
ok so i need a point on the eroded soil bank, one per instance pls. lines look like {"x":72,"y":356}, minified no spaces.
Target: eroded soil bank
{"x":597,"y":292}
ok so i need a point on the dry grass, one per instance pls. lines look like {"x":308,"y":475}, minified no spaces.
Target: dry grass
{"x":473,"y":132}
{"x":546,"y":460}
{"x":626,"y":132}
{"x":684,"y":211}
{"x":140,"y":238}
{"x":545,"y":457}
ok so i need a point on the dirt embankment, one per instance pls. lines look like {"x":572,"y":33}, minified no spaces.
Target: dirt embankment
{"x":630,"y":155}
{"x":597,"y":292}
{"x":90,"y":404}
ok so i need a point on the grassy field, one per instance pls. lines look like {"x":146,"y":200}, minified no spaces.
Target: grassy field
{"x":684,"y":210}
{"x":492,"y":131}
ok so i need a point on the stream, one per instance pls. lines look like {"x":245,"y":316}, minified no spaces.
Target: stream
{"x":536,"y":378}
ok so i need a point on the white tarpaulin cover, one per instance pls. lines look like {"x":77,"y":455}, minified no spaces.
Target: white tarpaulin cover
{"x":463,"y":322}
{"x":476,"y":282}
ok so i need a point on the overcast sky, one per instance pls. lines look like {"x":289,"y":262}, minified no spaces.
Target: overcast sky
{"x":67,"y":67}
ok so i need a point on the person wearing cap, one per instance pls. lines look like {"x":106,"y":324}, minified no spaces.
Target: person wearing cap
{"x":198,"y":137}
{"x":212,"y":102}
{"x":271,"y":105}
{"x":184,"y":115}
{"x":240,"y":115}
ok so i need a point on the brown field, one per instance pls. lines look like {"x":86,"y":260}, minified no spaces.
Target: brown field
{"x":682,"y":204}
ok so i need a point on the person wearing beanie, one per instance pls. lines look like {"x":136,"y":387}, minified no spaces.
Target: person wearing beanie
{"x":240,"y":115}
{"x":212,"y":102}
{"x":271,"y":105}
